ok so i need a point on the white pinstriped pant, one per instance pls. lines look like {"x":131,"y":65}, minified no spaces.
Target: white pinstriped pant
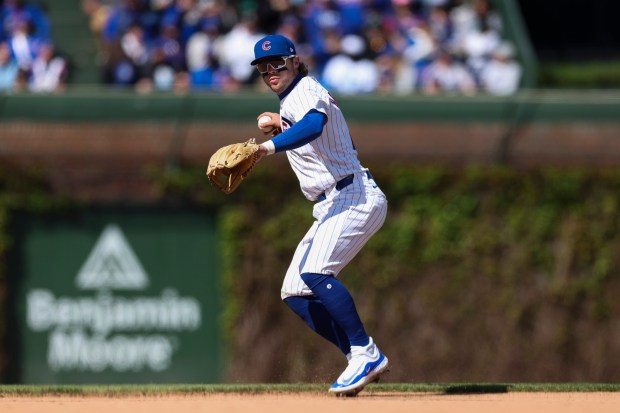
{"x":344,"y":222}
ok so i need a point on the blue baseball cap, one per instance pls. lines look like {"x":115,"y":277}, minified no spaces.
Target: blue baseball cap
{"x":274,"y":45}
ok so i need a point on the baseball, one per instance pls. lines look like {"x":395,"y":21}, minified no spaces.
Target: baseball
{"x":262,"y":121}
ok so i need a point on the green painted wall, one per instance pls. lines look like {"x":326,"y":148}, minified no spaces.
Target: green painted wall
{"x":123,"y":295}
{"x":127,"y":106}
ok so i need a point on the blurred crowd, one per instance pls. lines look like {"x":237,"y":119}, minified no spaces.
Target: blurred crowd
{"x":351,"y":46}
{"x":28,"y":59}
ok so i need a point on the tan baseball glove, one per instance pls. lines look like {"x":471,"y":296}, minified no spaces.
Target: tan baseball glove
{"x":230,"y":165}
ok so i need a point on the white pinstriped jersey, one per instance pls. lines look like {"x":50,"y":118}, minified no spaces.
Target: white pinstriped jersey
{"x":329,"y":158}
{"x":345,"y":218}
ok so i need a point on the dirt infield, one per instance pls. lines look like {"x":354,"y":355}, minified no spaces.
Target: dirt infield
{"x":286,"y":403}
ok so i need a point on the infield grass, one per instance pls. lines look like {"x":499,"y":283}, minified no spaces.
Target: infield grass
{"x":206,"y":389}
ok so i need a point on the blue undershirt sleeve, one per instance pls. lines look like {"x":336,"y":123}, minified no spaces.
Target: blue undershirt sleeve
{"x":306,"y":130}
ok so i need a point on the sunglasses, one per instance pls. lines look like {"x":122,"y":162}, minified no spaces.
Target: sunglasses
{"x":276,"y":64}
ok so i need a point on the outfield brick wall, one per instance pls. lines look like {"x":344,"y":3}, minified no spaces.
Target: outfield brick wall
{"x":107,"y":161}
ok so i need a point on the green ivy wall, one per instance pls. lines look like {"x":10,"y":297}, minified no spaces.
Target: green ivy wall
{"x":479,"y":274}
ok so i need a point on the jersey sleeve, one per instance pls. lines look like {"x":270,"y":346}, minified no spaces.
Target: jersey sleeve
{"x":306,"y":130}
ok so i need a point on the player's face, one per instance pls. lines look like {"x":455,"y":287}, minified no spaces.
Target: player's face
{"x":279,"y":73}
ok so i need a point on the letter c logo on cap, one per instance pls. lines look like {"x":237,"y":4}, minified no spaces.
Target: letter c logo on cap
{"x":266,"y":45}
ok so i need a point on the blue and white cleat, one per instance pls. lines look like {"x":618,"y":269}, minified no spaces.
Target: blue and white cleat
{"x":366,"y":365}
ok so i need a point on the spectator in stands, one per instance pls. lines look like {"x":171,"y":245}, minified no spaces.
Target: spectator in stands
{"x":440,"y":25}
{"x":26,"y":28}
{"x":168,"y":49}
{"x":352,"y":15}
{"x":478,"y":46}
{"x":291,"y":27}
{"x":49,"y":71}
{"x":464,"y":21}
{"x":322,"y":22}
{"x":477,"y":32}
{"x":420,"y":51}
{"x":24,"y":47}
{"x":136,"y":63}
{"x":501,"y":76}
{"x":8,"y":69}
{"x":401,"y":39}
{"x":396,"y":75}
{"x":14,"y":12}
{"x":200,"y":54}
{"x":122,"y":17}
{"x":234,"y":52}
{"x":447,"y":75}
{"x":98,"y":14}
{"x":486,"y":16}
{"x":404,"y":16}
{"x":351,"y":72}
{"x":187,"y":15}
{"x":168,"y":58}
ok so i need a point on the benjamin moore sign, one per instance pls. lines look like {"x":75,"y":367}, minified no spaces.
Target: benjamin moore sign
{"x":119,"y":298}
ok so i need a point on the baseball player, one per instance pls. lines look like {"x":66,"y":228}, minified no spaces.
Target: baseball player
{"x":349,"y":208}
